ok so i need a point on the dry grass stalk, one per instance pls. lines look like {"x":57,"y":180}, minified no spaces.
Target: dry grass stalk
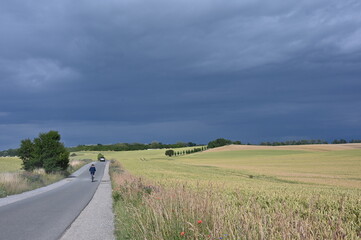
{"x":12,"y":183}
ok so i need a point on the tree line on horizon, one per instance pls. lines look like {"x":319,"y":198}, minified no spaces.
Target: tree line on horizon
{"x":158,"y":145}
{"x":308,"y":142}
{"x":294,"y":142}
{"x":130,"y":146}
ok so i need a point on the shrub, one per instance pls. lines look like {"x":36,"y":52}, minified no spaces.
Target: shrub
{"x":169,"y":153}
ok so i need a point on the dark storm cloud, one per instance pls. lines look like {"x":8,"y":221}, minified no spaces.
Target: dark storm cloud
{"x":162,"y":70}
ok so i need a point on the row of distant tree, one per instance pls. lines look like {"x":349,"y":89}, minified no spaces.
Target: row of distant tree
{"x":129,"y":146}
{"x":307,"y":142}
{"x":171,"y":152}
{"x":224,"y":142}
{"x":158,"y":145}
{"x":340,"y":141}
{"x":9,"y":153}
{"x":294,"y":142}
{"x":212,"y":144}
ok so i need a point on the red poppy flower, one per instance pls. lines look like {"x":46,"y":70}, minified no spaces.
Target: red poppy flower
{"x":182,"y":233}
{"x":200,"y":221}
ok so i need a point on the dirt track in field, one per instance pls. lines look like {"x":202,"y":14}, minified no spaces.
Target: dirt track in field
{"x":313,"y":147}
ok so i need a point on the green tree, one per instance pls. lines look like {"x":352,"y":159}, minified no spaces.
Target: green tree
{"x":219,"y":142}
{"x":26,"y":151}
{"x":169,"y":153}
{"x":341,"y":141}
{"x":45,"y":151}
{"x":155,"y":145}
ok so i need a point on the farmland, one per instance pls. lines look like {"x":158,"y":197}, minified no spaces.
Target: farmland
{"x":321,"y":169}
{"x":10,"y":164}
{"x":234,"y":192}
{"x":264,"y":193}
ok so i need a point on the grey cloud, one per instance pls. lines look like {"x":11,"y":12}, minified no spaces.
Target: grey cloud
{"x":36,"y":73}
{"x":240,"y":69}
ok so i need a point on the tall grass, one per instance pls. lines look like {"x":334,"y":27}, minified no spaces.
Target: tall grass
{"x":150,"y":210}
{"x":18,"y":182}
{"x":12,"y":183}
{"x":77,"y":164}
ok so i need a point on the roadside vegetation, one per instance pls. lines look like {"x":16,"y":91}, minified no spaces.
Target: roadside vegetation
{"x":14,"y":180}
{"x":45,"y":151}
{"x":250,"y":194}
{"x":18,"y":182}
{"x":41,"y":162}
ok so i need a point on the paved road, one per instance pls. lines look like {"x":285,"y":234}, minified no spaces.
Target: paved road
{"x":47,"y":215}
{"x":96,"y":221}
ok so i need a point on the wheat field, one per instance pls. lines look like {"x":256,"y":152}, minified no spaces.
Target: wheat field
{"x":242,"y":194}
{"x":10,"y":164}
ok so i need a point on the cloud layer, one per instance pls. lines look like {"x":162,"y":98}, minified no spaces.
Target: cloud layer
{"x":124,"y":71}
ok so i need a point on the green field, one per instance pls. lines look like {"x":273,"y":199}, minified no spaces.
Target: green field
{"x":10,"y":164}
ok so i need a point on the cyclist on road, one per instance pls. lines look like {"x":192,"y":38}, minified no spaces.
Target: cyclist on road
{"x":92,"y":170}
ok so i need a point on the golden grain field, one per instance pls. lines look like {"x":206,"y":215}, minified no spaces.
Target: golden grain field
{"x":242,"y":194}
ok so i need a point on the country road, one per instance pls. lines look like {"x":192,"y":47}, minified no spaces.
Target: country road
{"x":47,"y":215}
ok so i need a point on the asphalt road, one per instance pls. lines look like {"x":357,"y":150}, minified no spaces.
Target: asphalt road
{"x":47,"y":215}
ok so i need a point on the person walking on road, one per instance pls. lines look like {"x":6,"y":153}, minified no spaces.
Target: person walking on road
{"x":92,"y":171}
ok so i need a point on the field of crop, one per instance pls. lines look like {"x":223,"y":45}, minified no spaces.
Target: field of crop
{"x":10,"y":164}
{"x":309,"y":169}
{"x":242,"y":194}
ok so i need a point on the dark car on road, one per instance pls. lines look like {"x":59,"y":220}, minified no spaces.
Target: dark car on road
{"x":102,"y":159}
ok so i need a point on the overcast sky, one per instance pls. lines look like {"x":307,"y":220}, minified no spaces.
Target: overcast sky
{"x":180,"y":70}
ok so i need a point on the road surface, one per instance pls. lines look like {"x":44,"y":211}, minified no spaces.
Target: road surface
{"x":47,"y":215}
{"x":96,"y":221}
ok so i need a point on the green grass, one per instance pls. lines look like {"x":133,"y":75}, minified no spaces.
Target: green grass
{"x":10,"y":164}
